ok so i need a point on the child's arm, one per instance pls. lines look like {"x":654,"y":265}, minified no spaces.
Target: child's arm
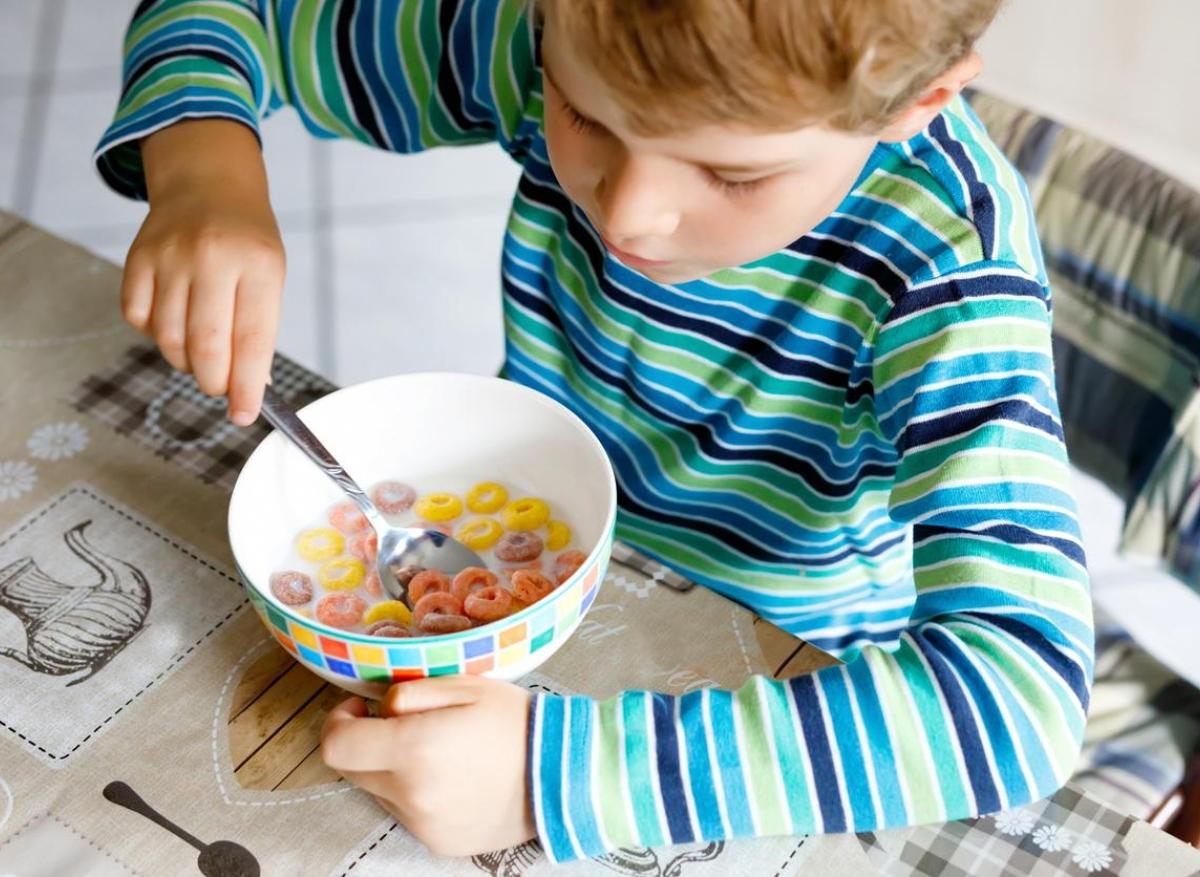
{"x":205,"y":275}
{"x":982,"y":705}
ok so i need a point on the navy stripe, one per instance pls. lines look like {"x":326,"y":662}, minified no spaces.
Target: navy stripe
{"x":670,"y":777}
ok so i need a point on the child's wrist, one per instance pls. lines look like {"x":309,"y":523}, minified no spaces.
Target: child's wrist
{"x":197,"y":155}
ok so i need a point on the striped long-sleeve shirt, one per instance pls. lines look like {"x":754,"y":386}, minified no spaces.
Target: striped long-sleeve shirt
{"x":856,"y":436}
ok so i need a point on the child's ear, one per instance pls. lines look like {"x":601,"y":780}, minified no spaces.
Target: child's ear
{"x":933,"y":99}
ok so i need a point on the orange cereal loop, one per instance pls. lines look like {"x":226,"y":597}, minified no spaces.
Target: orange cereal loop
{"x":365,"y":546}
{"x":439,"y":507}
{"x":393,"y":497}
{"x":558,"y":535}
{"x":373,"y":585}
{"x":488,"y":604}
{"x":472,"y":579}
{"x":567,"y":564}
{"x":526,"y":513}
{"x":347,"y":517}
{"x":479,"y":534}
{"x":486,"y":497}
{"x":428,"y":581}
{"x":342,"y":610}
{"x":532,"y":566}
{"x":389,"y":610}
{"x":320,"y":543}
{"x":342,"y":574}
{"x":530,"y":586}
{"x":437,"y":603}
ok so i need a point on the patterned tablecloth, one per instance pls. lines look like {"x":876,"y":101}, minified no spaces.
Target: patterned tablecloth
{"x":131,"y":663}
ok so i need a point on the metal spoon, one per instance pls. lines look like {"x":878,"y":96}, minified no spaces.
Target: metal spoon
{"x":223,"y":858}
{"x":399,"y":547}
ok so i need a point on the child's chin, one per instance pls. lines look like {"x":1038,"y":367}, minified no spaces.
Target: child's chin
{"x":675,"y":273}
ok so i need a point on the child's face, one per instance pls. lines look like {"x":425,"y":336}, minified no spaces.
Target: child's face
{"x":681,"y":207}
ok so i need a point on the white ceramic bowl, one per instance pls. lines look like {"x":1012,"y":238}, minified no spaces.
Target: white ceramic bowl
{"x":435,"y":431}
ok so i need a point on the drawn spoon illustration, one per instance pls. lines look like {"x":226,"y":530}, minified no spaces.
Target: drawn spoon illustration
{"x":223,"y":858}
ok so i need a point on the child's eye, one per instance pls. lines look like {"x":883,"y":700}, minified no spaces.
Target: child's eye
{"x":734,"y":187}
{"x":579,"y":122}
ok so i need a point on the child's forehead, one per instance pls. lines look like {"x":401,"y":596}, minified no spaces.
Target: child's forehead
{"x":734,"y":147}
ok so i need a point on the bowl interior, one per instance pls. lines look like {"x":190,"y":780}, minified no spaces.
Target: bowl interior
{"x":434,"y":431}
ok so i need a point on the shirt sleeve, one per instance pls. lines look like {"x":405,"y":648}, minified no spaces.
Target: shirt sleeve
{"x":402,"y":76}
{"x":982,"y":703}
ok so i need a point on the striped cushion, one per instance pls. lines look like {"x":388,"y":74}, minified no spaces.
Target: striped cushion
{"x":1122,"y":249}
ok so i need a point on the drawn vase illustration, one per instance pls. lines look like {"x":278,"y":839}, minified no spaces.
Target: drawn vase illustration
{"x":74,"y":627}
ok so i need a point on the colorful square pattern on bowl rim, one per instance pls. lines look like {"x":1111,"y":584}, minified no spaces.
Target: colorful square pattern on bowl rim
{"x":505,"y":646}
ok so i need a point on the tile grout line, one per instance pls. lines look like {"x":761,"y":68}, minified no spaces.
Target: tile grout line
{"x":47,"y":38}
{"x":324,"y":259}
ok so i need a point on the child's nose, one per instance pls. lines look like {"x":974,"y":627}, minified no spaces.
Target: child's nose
{"x":635,"y":201}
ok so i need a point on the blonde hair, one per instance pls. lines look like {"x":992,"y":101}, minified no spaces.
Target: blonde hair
{"x":852,"y":65}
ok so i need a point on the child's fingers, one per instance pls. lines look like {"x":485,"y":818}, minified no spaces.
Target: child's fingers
{"x":210,"y":330}
{"x":255,"y":320}
{"x":423,"y":695}
{"x":352,"y":743}
{"x":137,"y":291}
{"x":168,"y":318}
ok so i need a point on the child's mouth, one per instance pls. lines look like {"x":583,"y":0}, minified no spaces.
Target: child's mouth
{"x":631,"y":259}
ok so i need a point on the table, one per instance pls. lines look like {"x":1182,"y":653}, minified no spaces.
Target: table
{"x":129,"y":654}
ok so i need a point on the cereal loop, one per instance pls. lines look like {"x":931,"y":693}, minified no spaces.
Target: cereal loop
{"x":388,"y":629}
{"x":530,"y":586}
{"x":342,"y":574}
{"x":393,"y":497}
{"x":558,"y":535}
{"x":472,"y":579}
{"x":438,"y":624}
{"x":292,"y":588}
{"x":520,"y":547}
{"x":486,"y":497}
{"x":438,"y":603}
{"x":567,"y":564}
{"x":365,"y":546}
{"x":341,"y":610}
{"x":489,"y":604}
{"x":320,"y":544}
{"x":373,"y":585}
{"x":526,"y":513}
{"x":428,"y":581}
{"x":439,"y":507}
{"x":388,"y":610}
{"x":479,"y":534}
{"x":347,"y":517}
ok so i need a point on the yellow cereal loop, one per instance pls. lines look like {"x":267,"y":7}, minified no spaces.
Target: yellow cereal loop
{"x":486,"y":497}
{"x":320,"y":544}
{"x":558,"y":535}
{"x":439,"y":507}
{"x":391,"y":610}
{"x":479,"y":534}
{"x":526,"y":513}
{"x":342,"y":574}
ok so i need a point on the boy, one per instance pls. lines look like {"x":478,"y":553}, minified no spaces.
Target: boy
{"x":768,"y":254}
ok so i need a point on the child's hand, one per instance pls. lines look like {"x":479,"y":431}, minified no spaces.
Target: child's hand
{"x":204,"y":276}
{"x":447,"y":760}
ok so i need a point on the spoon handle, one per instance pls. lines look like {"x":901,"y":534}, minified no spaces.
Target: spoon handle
{"x":120,"y":793}
{"x":281,"y":416}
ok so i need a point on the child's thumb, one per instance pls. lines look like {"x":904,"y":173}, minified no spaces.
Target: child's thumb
{"x":422,"y":695}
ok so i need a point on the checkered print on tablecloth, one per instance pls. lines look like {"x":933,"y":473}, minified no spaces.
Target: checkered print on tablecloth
{"x":657,"y":573}
{"x":142,"y":397}
{"x":1064,"y":834}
